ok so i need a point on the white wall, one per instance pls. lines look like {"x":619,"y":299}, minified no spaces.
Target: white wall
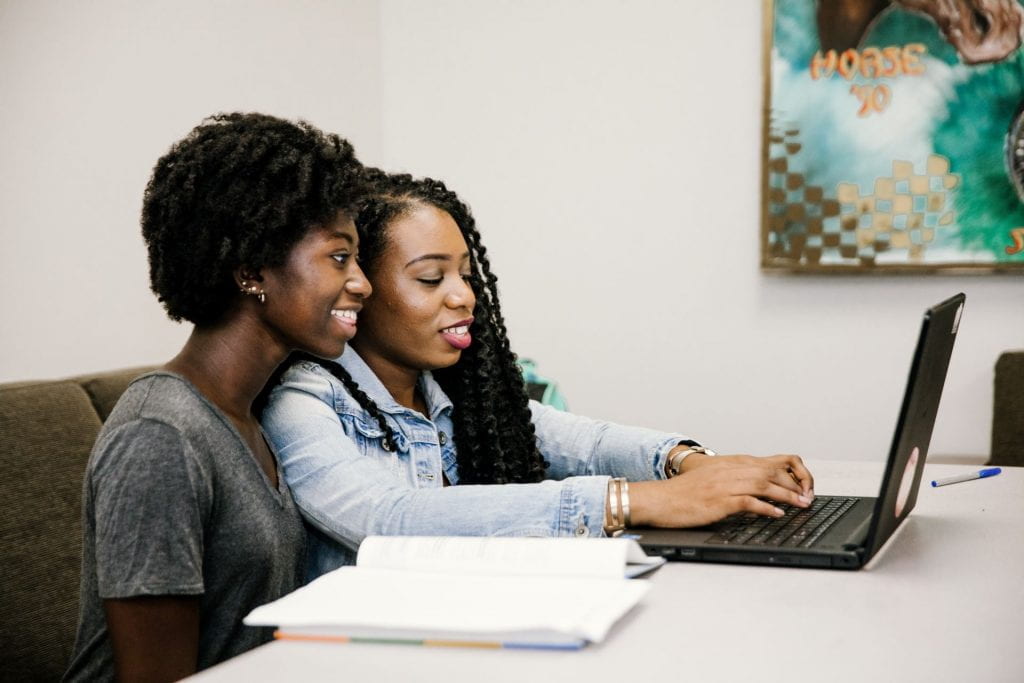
{"x":609,"y":149}
{"x":611,"y":152}
{"x":92,"y":94}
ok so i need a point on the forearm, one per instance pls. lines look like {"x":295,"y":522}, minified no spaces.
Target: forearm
{"x":154,"y":638}
{"x":349,"y":492}
{"x":646,"y":501}
{"x":576,"y":445}
{"x":352,"y":502}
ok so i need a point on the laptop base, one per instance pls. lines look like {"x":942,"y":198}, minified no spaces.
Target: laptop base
{"x":842,"y":547}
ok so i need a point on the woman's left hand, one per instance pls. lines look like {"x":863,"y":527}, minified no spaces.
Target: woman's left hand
{"x":793,"y":463}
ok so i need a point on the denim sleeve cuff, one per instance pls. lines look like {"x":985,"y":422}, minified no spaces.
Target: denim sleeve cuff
{"x":581,"y":508}
{"x":662,"y":451}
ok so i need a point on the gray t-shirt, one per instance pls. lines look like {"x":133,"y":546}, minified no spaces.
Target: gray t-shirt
{"x":176,"y":504}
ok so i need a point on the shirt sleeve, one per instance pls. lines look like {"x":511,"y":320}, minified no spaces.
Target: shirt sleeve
{"x":574,"y":445}
{"x":348,"y":495}
{"x":149,"y":503}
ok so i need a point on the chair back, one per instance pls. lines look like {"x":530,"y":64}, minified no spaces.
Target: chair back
{"x":1008,"y":411}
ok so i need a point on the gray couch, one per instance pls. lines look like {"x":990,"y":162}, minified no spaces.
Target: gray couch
{"x":46,"y":432}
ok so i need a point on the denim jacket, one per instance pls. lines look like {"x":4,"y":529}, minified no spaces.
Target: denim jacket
{"x":348,"y":486}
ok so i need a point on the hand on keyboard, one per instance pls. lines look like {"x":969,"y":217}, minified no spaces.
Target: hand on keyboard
{"x":712,"y":491}
{"x":796,"y":466}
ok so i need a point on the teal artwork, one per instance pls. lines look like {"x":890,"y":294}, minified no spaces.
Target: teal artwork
{"x":894,"y":136}
{"x":540,"y":388}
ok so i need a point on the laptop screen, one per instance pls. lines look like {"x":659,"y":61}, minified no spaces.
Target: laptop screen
{"x":917,"y":417}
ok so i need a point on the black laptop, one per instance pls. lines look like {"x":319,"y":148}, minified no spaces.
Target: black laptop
{"x":842,"y":532}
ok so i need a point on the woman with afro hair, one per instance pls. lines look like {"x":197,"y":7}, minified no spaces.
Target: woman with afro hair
{"x":424,"y":427}
{"x":188,"y":523}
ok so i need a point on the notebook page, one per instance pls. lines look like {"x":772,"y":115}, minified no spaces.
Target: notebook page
{"x":492,"y":556}
{"x":356,"y":600}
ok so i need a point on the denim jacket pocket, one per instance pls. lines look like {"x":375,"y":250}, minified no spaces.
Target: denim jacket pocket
{"x":369,"y":436}
{"x":368,"y":430}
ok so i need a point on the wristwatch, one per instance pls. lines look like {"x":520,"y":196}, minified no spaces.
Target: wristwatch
{"x":675,"y":463}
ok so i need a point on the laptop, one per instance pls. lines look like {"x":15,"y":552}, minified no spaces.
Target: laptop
{"x":839,"y":532}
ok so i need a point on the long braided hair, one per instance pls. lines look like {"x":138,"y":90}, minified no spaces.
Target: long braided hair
{"x":494,"y":436}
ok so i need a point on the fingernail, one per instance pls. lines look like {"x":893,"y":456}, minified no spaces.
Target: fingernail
{"x":804,"y":499}
{"x":778,"y":512}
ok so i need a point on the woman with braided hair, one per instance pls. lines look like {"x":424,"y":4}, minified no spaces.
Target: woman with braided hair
{"x":188,"y":524}
{"x":423,"y":425}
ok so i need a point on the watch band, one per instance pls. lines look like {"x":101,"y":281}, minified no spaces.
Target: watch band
{"x":675,"y":463}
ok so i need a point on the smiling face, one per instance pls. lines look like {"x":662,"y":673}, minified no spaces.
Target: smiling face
{"x":314,"y":297}
{"x":422,"y":307}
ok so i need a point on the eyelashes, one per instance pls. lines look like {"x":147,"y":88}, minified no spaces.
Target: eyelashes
{"x":344,"y":258}
{"x":433,"y":282}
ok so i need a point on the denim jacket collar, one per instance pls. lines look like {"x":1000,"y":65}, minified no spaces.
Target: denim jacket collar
{"x":437,"y":401}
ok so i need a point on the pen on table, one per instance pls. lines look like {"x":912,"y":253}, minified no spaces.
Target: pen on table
{"x":980,"y":474}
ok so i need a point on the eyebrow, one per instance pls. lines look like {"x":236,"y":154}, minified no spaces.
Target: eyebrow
{"x":436,"y":257}
{"x":338,"y":234}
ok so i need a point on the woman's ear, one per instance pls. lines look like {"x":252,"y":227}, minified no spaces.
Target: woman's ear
{"x":248,"y":281}
{"x":246,"y":277}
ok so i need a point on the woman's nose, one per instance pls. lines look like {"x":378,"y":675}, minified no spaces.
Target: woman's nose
{"x":357,"y":284}
{"x":461,"y":296}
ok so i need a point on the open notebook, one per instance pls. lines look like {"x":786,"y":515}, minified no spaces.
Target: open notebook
{"x":483,"y":592}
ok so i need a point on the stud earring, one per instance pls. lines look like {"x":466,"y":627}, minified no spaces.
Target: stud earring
{"x":255,"y":291}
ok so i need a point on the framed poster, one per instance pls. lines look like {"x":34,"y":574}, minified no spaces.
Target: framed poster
{"x":893,"y":136}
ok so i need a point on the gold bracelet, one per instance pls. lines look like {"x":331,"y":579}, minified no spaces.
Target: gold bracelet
{"x":624,"y":500}
{"x":609,"y":509}
{"x":615,"y":509}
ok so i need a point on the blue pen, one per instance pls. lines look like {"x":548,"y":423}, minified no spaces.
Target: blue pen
{"x":980,"y":474}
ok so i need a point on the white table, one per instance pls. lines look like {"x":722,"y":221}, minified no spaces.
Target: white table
{"x":943,"y":601}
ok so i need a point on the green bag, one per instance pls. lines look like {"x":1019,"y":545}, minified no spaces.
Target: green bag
{"x":540,"y":388}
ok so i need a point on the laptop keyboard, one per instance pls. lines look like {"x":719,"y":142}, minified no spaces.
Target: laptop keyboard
{"x":798,"y":528}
